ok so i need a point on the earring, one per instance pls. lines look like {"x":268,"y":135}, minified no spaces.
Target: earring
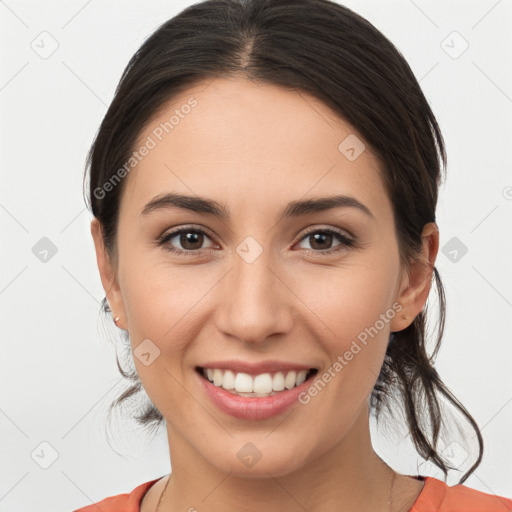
{"x":116,"y":320}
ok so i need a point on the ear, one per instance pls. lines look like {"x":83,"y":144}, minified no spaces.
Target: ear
{"x":415,"y":285}
{"x":108,"y":274}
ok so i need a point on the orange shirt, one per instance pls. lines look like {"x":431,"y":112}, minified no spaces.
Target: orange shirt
{"x":436,"y":496}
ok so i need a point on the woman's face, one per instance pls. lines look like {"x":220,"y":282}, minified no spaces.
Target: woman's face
{"x":267,"y":281}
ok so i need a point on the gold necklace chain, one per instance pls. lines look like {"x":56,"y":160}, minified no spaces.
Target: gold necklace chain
{"x":162,"y":495}
{"x":390,"y":500}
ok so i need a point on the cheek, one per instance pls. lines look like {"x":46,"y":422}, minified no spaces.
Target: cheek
{"x":355,"y":302}
{"x":351,"y":299}
{"x":163,"y":305}
{"x":162,"y":301}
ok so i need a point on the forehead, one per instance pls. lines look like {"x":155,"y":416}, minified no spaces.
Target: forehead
{"x":247,"y":143}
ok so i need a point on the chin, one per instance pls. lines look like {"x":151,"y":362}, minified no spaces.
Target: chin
{"x":249,"y":462}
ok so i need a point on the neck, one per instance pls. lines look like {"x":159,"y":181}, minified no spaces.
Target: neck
{"x":348,"y":476}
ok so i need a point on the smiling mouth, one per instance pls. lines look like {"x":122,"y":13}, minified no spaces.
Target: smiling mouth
{"x":261,"y":385}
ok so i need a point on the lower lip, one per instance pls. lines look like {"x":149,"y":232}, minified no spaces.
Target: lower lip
{"x":252,"y":408}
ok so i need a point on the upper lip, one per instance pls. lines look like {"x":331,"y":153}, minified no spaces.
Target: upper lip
{"x":256,"y":368}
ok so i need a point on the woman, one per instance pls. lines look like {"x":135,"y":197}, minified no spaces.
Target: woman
{"x":264,"y":187}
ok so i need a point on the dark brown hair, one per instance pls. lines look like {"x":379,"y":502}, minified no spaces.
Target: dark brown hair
{"x":324,"y":49}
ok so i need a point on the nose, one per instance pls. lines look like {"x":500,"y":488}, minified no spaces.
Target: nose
{"x":253,"y":300}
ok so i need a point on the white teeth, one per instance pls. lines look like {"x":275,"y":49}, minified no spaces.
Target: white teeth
{"x":290,"y":380}
{"x":260,"y":385}
{"x":229,"y":380}
{"x":263,"y":383}
{"x":243,"y":383}
{"x":278,"y":382}
{"x":301,"y":377}
{"x":217,"y":377}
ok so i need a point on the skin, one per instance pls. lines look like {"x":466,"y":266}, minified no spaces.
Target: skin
{"x":254,"y":148}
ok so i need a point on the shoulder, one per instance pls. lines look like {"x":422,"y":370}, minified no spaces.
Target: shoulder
{"x":127,"y":502}
{"x":437,"y":496}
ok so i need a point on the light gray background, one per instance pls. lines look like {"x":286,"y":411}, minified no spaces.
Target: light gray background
{"x":58,"y":371}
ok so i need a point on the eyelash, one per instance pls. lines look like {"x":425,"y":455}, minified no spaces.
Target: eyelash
{"x":346,"y":242}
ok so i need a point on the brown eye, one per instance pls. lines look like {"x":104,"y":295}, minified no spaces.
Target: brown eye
{"x":188,"y":241}
{"x":321,"y":241}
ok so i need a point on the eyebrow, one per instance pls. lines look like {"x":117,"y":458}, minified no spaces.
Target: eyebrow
{"x":211,"y":207}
